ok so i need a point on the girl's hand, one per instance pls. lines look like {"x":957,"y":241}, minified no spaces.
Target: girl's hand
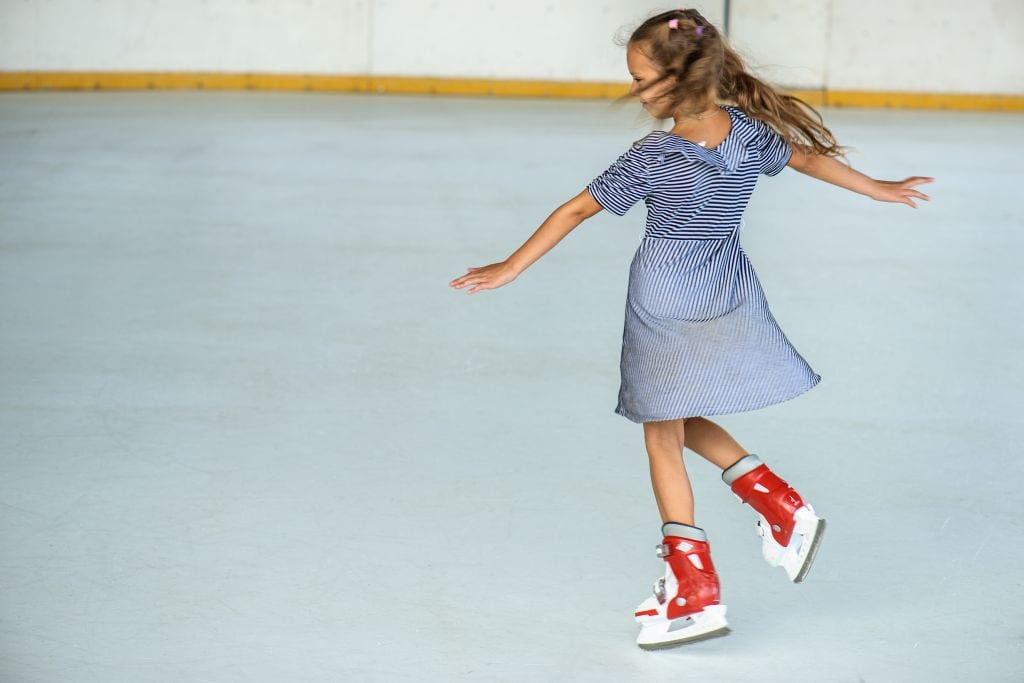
{"x":900,"y":191}
{"x":487,"y":277}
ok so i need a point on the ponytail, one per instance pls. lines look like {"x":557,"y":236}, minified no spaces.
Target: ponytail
{"x":686,"y":47}
{"x":795,"y":120}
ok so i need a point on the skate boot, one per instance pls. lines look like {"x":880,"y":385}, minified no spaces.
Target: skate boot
{"x":790,"y":531}
{"x":685,"y":604}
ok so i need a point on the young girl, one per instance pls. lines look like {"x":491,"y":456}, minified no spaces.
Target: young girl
{"x":699,"y":338}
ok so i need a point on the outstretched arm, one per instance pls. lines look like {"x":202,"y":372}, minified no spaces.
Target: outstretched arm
{"x":831,"y":170}
{"x":560,"y":223}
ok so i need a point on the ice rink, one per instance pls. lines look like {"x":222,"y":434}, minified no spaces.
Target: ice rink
{"x":249,"y":432}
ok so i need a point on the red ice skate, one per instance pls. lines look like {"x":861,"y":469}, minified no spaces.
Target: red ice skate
{"x":789,"y":529}
{"x":685,"y":604}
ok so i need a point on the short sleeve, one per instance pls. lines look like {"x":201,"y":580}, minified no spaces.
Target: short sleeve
{"x":774,"y":150}
{"x":626,"y":182}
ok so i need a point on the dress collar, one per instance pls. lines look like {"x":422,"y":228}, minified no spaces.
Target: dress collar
{"x":727,"y":157}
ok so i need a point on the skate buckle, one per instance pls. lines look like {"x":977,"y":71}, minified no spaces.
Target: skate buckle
{"x":659,"y":589}
{"x":663,"y":550}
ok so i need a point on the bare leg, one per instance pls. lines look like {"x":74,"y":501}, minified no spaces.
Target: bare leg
{"x":710,"y":441}
{"x":665,"y":441}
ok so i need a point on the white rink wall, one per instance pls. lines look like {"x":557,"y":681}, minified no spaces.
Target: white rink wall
{"x":898,"y":45}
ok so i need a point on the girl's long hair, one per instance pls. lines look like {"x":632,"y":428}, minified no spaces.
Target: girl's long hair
{"x":699,"y":58}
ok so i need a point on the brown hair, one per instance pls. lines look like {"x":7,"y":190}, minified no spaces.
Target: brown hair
{"x":704,"y":67}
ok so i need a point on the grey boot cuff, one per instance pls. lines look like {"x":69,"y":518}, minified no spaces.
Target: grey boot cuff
{"x":683,"y":530}
{"x":740,"y":467}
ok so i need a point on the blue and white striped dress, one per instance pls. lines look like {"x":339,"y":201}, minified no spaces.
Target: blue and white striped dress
{"x":698,"y":338}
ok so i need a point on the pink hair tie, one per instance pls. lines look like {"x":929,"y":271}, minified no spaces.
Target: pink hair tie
{"x":673,"y":23}
{"x":699,"y":30}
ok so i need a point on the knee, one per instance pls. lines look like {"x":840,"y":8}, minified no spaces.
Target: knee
{"x":668,"y":433}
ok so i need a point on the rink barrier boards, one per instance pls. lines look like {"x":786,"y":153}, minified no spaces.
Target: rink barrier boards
{"x":129,"y":80}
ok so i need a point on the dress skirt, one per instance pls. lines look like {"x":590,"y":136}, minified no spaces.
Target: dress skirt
{"x":698,"y":337}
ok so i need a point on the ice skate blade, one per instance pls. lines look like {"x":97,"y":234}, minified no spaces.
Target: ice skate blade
{"x":723,"y":631}
{"x":811,"y":552}
{"x":709,"y":623}
{"x":796,"y":558}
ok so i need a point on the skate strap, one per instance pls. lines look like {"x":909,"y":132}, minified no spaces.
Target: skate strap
{"x":683,"y":531}
{"x":745,"y":464}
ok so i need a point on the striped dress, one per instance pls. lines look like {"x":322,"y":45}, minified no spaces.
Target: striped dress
{"x":698,"y":337}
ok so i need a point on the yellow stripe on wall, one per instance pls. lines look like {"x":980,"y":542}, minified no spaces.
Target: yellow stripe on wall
{"x":129,"y":80}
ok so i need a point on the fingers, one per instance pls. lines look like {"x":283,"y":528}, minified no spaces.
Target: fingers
{"x":475,"y":284}
{"x":484,"y":277}
{"x":915,"y":180}
{"x":464,"y":279}
{"x":480,"y":285}
{"x":903,"y":191}
{"x":908,"y":182}
{"x":479,"y":280}
{"x":908,"y":194}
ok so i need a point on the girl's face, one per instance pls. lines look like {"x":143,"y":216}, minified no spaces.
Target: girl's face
{"x":644,"y":73}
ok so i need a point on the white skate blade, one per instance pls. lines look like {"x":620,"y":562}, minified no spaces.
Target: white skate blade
{"x":661,"y":632}
{"x":799,"y":563}
{"x":797,"y":557}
